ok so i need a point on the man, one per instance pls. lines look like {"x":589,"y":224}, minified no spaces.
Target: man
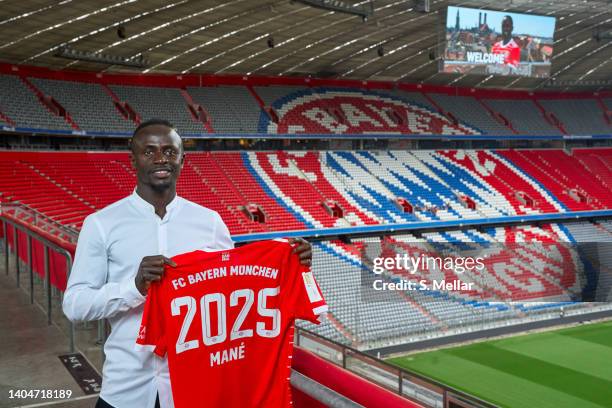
{"x":124,"y":247}
{"x":507,"y":45}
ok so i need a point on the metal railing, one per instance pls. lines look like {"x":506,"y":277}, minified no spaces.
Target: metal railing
{"x":48,"y":245}
{"x":408,"y":384}
{"x":39,"y":220}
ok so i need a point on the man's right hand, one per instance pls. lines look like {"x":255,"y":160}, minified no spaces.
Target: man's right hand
{"x":150,"y":270}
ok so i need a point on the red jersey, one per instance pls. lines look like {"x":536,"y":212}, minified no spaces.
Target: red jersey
{"x":511,"y":51}
{"x":225,"y":319}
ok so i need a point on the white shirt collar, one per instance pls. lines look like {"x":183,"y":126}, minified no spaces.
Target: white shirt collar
{"x":148,"y":208}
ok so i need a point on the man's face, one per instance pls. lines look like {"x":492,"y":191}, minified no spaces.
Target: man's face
{"x":157,"y":156}
{"x":507,"y":27}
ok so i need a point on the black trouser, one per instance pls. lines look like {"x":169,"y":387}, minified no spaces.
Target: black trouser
{"x":103,"y":404}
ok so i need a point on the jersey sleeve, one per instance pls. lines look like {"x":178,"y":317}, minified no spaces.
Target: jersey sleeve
{"x":151,"y":333}
{"x":305,"y":299}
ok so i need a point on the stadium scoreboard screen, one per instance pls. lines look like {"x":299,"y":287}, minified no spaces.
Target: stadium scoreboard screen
{"x":488,"y":42}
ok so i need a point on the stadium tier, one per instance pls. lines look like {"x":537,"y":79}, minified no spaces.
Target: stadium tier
{"x":100,"y":108}
{"x":21,"y":107}
{"x":288,"y":190}
{"x":538,"y":279}
{"x":81,"y":99}
{"x":284,"y":190}
{"x":149,"y":102}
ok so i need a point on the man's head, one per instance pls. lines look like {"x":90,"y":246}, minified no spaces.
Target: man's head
{"x":507,"y":27}
{"x":157,"y":154}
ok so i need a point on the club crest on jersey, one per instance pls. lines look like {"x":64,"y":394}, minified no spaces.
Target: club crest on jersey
{"x":142,"y":333}
{"x":225,"y":256}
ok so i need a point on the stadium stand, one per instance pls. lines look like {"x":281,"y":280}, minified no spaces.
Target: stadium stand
{"x":378,"y":131}
{"x":415,"y":98}
{"x":357,"y":315}
{"x":82,"y":100}
{"x":498,"y":299}
{"x":23,"y":183}
{"x":305,"y":190}
{"x":600,"y":231}
{"x":276,"y":191}
{"x":565,"y":176}
{"x":293,"y":179}
{"x":228,"y":174}
{"x":290,"y":188}
{"x":467,"y":109}
{"x":150,"y":102}
{"x":523,"y":115}
{"x":597,"y":162}
{"x":232,"y":108}
{"x":586,"y":116}
{"x":236,"y":109}
{"x":21,"y":105}
{"x":277,"y":95}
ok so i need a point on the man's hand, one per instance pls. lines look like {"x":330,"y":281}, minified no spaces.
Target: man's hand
{"x":150,"y":270}
{"x":303,"y":249}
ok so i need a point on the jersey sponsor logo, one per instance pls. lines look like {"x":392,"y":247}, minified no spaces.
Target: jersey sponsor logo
{"x":354,"y":112}
{"x":225,"y":256}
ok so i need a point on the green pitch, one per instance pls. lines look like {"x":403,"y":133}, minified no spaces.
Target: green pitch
{"x":564,"y":368}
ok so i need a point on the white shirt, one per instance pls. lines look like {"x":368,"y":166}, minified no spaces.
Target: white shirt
{"x":101,"y":285}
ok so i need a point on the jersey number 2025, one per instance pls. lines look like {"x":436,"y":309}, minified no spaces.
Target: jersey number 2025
{"x":219,"y":301}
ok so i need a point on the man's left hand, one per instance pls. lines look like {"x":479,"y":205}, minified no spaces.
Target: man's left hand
{"x":303,"y":249}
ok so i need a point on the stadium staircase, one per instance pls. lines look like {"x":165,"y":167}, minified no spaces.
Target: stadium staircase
{"x":550,"y":117}
{"x":4,"y":118}
{"x":124,"y":108}
{"x":497,"y":116}
{"x":198,"y":113}
{"x":439,"y":108}
{"x":607,"y":113}
{"x":51,"y":104}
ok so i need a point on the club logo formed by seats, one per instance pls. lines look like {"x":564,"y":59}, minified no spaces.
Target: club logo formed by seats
{"x":344,"y":112}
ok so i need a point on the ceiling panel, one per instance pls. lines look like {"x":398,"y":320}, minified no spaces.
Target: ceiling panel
{"x":231,"y":37}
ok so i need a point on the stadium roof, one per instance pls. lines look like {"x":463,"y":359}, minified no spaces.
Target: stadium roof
{"x":231,"y":37}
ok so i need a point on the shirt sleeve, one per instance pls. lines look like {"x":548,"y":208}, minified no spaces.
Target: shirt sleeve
{"x":151,"y":333}
{"x":306,"y":299}
{"x":88,"y":296}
